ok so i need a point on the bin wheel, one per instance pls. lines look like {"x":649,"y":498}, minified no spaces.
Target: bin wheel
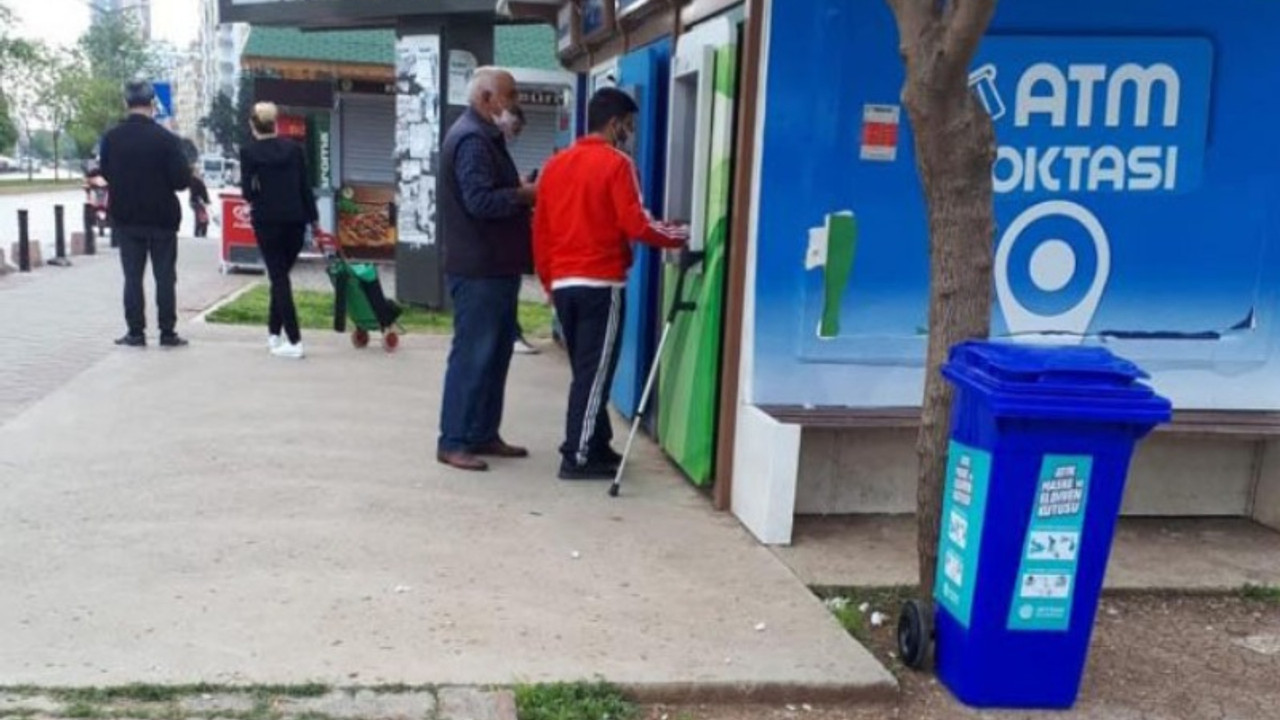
{"x":390,"y":341}
{"x":360,"y":338}
{"x":915,"y":634}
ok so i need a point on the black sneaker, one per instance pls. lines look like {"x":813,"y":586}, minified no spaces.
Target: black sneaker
{"x":173,"y":340}
{"x":590,"y":471}
{"x":607,"y":457}
{"x":131,"y":340}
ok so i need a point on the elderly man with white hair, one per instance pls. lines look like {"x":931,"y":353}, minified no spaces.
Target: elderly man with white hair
{"x":485,"y":216}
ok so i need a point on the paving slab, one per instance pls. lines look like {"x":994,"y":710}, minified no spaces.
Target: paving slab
{"x":1180,"y":554}
{"x":58,"y":322}
{"x":218,"y":515}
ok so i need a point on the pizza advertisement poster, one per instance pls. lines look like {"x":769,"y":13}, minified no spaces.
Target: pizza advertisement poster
{"x":366,"y":221}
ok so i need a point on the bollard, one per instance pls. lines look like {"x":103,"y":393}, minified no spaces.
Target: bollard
{"x":59,"y":238}
{"x":90,"y":240}
{"x":24,"y":243}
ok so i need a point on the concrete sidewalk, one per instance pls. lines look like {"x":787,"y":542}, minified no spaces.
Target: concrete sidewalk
{"x":58,"y":322}
{"x":215,"y":514}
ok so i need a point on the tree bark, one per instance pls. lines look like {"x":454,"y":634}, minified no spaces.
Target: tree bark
{"x":955,"y":148}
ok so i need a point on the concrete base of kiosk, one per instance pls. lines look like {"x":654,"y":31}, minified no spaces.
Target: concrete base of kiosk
{"x":1203,"y":465}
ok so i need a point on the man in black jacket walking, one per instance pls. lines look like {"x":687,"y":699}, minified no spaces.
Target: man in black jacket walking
{"x":145,"y":168}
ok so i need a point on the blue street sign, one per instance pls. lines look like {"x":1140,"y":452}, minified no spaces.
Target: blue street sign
{"x":164,"y":102}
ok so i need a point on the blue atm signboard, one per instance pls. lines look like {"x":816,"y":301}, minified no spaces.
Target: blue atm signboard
{"x":1135,"y":183}
{"x":1079,"y":120}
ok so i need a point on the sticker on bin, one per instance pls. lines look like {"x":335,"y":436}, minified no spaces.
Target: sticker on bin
{"x":964,"y":509}
{"x":1045,"y":589}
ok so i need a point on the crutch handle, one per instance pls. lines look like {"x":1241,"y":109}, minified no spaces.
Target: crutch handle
{"x":689,"y":259}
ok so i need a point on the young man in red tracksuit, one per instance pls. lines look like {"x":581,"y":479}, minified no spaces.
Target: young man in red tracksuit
{"x":588,"y":211}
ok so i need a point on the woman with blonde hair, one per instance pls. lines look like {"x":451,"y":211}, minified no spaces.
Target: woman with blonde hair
{"x":275,"y":182}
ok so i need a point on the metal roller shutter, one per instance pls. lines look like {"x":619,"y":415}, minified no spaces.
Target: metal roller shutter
{"x":369,"y":139}
{"x":537,"y":141}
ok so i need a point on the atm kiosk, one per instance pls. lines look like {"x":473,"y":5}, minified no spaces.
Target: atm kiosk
{"x":702,"y":111}
{"x":644,"y":74}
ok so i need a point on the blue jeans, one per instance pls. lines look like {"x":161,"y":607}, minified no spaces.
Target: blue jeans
{"x":475,"y":383}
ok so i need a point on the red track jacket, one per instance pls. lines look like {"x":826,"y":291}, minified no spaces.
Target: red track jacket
{"x":587,"y":211}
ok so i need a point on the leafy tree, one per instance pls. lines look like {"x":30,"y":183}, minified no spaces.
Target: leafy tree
{"x":244,"y":105}
{"x":46,"y":91}
{"x":64,"y":79}
{"x":116,"y":49}
{"x":101,"y":106}
{"x":223,"y":122}
{"x":955,"y":149}
{"x":14,"y":53}
{"x":115,"y":52}
{"x":8,"y":130}
{"x":29,"y":76}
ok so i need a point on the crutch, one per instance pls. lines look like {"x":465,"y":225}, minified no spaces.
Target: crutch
{"x":688,"y":260}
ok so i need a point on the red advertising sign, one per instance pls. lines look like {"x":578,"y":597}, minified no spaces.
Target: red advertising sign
{"x":880,"y":125}
{"x":292,"y":126}
{"x":237,"y":223}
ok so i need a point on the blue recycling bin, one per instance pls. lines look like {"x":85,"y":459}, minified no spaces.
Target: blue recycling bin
{"x":1040,"y":448}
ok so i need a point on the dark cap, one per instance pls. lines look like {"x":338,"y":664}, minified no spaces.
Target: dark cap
{"x":139,"y":93}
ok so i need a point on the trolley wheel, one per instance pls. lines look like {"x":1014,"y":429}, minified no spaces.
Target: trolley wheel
{"x":390,"y":341}
{"x":915,"y":634}
{"x":360,"y":338}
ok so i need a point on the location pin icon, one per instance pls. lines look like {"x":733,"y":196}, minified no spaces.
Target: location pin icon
{"x":1053,"y":266}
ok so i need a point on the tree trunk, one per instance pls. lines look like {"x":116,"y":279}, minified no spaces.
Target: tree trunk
{"x":955,"y":148}
{"x":57,"y":156}
{"x":956,"y":158}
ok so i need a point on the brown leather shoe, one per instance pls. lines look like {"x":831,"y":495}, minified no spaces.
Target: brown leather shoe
{"x":462,"y":461}
{"x":500,"y":449}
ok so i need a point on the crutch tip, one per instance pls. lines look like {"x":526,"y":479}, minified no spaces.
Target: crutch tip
{"x":613,"y":490}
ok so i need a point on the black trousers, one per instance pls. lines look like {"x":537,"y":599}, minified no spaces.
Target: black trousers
{"x":161,"y":247}
{"x":280,"y":245}
{"x":202,"y":228}
{"x":591,"y":322}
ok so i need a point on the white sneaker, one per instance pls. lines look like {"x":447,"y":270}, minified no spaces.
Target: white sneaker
{"x":289,"y":350}
{"x":274,"y":341}
{"x":524,"y":348}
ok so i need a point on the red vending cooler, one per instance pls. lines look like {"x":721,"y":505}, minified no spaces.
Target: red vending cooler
{"x":239,"y":244}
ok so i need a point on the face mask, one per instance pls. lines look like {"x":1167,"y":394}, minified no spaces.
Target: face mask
{"x":625,"y":141}
{"x":506,"y":121}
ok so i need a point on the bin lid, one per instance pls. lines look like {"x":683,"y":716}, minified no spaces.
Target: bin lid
{"x":1057,"y":380}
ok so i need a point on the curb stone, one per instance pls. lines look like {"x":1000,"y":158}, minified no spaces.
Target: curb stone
{"x":364,"y":705}
{"x":475,"y":704}
{"x":218,"y":704}
{"x":450,"y":703}
{"x":36,"y":253}
{"x":36,"y":703}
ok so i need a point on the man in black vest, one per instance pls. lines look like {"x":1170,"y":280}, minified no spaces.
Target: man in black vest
{"x":485,"y":213}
